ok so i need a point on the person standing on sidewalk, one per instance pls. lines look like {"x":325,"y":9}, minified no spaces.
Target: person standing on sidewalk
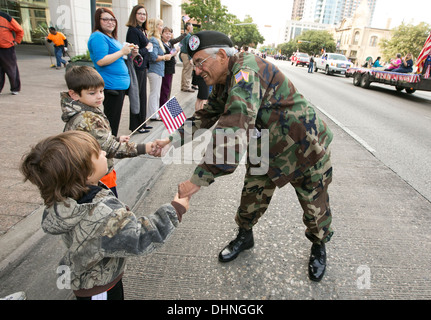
{"x":186,"y":75}
{"x":137,"y":34}
{"x":60,"y":43}
{"x":11,"y":34}
{"x":107,"y":53}
{"x":168,"y":42}
{"x":249,"y":93}
{"x":156,"y":70}
{"x":81,"y":110}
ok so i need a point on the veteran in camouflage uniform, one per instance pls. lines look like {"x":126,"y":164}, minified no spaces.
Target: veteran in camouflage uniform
{"x":252,"y":93}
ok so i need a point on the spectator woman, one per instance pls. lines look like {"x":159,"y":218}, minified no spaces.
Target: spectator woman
{"x":137,"y":34}
{"x":168,"y":44}
{"x":156,"y":69}
{"x":107,"y":53}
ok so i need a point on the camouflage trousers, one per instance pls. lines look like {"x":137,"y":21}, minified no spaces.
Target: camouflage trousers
{"x":311,"y":190}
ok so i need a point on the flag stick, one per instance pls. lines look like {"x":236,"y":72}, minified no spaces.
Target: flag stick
{"x":149,"y":117}
{"x":143,"y":123}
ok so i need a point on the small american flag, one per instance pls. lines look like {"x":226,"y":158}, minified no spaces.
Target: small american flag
{"x":172,"y":115}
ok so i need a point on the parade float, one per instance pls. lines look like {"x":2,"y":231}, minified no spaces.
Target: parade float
{"x":410,"y":82}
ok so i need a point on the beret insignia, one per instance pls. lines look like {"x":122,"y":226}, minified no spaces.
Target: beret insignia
{"x":194,"y":42}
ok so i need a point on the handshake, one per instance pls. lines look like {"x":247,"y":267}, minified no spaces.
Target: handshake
{"x":186,"y":189}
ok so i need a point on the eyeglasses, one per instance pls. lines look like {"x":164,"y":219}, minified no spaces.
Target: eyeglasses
{"x":200,"y":64}
{"x":109,"y":20}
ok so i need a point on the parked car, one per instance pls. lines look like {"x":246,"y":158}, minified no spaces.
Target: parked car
{"x":302,"y":59}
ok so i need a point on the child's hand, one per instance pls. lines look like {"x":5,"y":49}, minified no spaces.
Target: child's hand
{"x":186,"y":189}
{"x":159,"y":147}
{"x":181,"y":206}
{"x":149,"y":148}
{"x":124,"y":139}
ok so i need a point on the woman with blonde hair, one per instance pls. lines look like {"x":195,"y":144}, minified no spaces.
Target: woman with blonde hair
{"x":156,"y":69}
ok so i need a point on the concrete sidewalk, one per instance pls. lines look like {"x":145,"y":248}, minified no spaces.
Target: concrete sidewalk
{"x":380,"y":249}
{"x":27,"y":118}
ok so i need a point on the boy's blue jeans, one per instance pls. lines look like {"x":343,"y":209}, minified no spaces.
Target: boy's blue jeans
{"x":58,"y":55}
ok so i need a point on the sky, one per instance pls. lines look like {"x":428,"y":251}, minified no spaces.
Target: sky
{"x":275,"y":13}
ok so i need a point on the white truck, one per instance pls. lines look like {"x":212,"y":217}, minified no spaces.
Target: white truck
{"x":332,"y":63}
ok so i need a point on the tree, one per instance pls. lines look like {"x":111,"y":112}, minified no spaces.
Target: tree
{"x":310,"y":41}
{"x":405,"y":39}
{"x":210,"y":14}
{"x":313,"y":41}
{"x":287,"y":48}
{"x":246,"y":33}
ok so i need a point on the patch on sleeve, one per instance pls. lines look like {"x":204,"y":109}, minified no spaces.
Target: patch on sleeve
{"x":241,"y":75}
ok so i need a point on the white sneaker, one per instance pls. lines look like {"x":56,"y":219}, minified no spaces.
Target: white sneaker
{"x":14,"y":93}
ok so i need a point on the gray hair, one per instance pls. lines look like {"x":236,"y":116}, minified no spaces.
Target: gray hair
{"x":230,"y":51}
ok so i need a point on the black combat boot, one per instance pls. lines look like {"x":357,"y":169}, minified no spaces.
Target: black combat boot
{"x":317,"y":263}
{"x":244,"y":240}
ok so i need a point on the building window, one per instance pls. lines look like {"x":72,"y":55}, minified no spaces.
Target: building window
{"x":356,"y":38}
{"x":31,"y":15}
{"x":373,"y":41}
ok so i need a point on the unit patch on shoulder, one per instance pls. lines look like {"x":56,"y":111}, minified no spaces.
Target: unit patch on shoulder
{"x":242,"y":75}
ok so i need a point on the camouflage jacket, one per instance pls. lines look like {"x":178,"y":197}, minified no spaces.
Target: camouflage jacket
{"x":258,"y":95}
{"x":100,"y":232}
{"x":79,"y":116}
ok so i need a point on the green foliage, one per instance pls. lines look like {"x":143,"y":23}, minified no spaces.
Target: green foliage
{"x":310,"y":41}
{"x":246,"y":33}
{"x":212,"y":15}
{"x":405,"y":39}
{"x":81,"y":57}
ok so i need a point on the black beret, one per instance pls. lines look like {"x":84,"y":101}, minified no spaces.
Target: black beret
{"x":207,"y":39}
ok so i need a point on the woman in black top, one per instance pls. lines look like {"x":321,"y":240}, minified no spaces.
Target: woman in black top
{"x":137,"y":34}
{"x":165,"y":91}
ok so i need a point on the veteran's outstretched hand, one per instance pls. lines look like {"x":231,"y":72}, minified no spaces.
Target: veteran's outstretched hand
{"x":187,"y":189}
{"x":160,"y":147}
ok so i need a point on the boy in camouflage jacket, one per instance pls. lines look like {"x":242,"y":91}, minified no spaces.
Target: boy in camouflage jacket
{"x":81,"y":111}
{"x":99,"y":231}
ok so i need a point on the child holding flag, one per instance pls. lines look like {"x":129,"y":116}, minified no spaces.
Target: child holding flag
{"x":81,"y":111}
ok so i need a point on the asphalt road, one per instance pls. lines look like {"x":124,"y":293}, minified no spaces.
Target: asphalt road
{"x":394,"y":126}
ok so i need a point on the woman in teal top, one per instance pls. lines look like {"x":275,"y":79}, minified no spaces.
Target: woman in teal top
{"x":107,"y":53}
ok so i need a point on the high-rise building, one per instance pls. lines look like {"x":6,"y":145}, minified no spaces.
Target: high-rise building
{"x":297,"y":9}
{"x":350,"y":7}
{"x":329,"y":11}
